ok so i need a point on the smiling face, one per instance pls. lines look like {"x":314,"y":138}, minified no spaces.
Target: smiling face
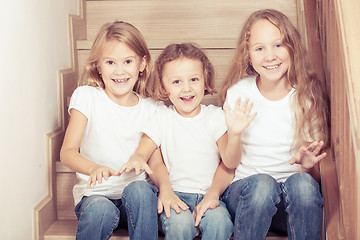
{"x":183,"y":80}
{"x":268,"y":56}
{"x":119,"y":67}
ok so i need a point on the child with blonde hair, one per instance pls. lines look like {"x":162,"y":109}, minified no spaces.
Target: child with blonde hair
{"x":192,"y":138}
{"x":108,"y":110}
{"x":275,"y":185}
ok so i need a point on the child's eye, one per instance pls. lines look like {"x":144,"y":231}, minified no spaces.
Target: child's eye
{"x":176,"y":82}
{"x":278,"y":45}
{"x":259,"y":49}
{"x":194,"y":79}
{"x":128,"y":61}
{"x":110,"y":62}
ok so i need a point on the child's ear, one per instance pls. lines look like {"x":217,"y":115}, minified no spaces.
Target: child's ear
{"x":143,"y":64}
{"x":163,"y":91}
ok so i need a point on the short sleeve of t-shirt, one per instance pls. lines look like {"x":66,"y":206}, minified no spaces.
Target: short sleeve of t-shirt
{"x":217,"y":117}
{"x":154,"y":127}
{"x":81,"y":100}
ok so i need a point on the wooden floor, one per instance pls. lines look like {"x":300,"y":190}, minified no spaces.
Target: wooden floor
{"x":66,"y":229}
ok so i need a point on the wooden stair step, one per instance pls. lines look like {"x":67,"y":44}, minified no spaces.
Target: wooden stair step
{"x":66,"y":230}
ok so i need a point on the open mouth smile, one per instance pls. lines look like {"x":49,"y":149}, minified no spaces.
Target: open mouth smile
{"x":187,"y":99}
{"x":124,"y":80}
{"x":272,"y":67}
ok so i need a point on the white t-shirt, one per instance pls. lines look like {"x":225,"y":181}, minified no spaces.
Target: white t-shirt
{"x":111,"y":136}
{"x":189,"y":146}
{"x":267,"y":141}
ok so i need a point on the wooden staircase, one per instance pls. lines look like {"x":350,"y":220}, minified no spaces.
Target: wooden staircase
{"x":213,"y":24}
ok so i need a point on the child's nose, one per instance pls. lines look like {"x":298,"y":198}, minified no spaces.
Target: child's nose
{"x":270,"y":55}
{"x":119,"y":69}
{"x":186,"y":86}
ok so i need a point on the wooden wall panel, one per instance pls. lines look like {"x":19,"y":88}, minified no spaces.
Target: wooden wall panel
{"x":186,"y":20}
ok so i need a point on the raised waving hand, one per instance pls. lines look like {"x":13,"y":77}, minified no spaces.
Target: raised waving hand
{"x":240,"y":118}
{"x":309,"y":156}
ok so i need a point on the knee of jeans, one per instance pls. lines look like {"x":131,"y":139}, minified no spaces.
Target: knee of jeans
{"x":100,"y":208}
{"x":178,"y":222}
{"x":303,"y":188}
{"x":218,"y":218}
{"x":138,"y":190}
{"x":263,"y":188}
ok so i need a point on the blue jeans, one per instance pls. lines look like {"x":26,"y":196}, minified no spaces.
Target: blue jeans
{"x":99,"y":216}
{"x":259,"y":203}
{"x":215,"y":224}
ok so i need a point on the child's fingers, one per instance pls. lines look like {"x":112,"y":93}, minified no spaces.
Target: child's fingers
{"x":99,"y":177}
{"x":113,"y":172}
{"x":312,"y":146}
{"x":321,"y":156}
{"x":253,"y":116}
{"x":214,"y":205}
{"x":183,"y":206}
{"x":318,"y":148}
{"x":297,"y":157}
{"x":249,"y":108}
{"x":123,"y":168}
{"x":130,"y":167}
{"x":137,"y":170}
{"x":175,"y":207}
{"x":106,"y":175}
{"x":292,"y":161}
{"x":227,"y":112}
{"x":168,"y":211}
{"x":91,"y":181}
{"x":198,"y":214}
{"x":244,"y":106}
{"x":148,"y":169}
{"x":160,"y":207}
{"x":237,"y":104}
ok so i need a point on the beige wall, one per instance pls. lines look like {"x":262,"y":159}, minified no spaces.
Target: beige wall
{"x":34,"y":45}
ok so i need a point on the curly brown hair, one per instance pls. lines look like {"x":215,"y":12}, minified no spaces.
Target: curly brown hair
{"x":173,"y":52}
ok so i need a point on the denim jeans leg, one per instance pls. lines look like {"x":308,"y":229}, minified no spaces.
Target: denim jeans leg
{"x":216,"y":224}
{"x":303,"y":204}
{"x":180,"y":226}
{"x":98,"y":217}
{"x":252,"y":202}
{"x":140,"y":201}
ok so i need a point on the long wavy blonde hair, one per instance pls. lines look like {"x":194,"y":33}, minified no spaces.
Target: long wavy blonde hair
{"x":311,"y":104}
{"x":127,"y":34}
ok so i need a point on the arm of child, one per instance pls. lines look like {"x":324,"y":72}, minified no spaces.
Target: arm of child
{"x":70,"y":156}
{"x":222,"y":179}
{"x":138,"y":161}
{"x":236,"y":122}
{"x":309,"y":158}
{"x":167,"y":198}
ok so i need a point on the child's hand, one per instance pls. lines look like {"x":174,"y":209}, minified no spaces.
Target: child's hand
{"x":309,"y":156}
{"x":100,"y":172}
{"x":169,"y":200}
{"x":136,"y":164}
{"x":240,"y":118}
{"x":202,"y":207}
